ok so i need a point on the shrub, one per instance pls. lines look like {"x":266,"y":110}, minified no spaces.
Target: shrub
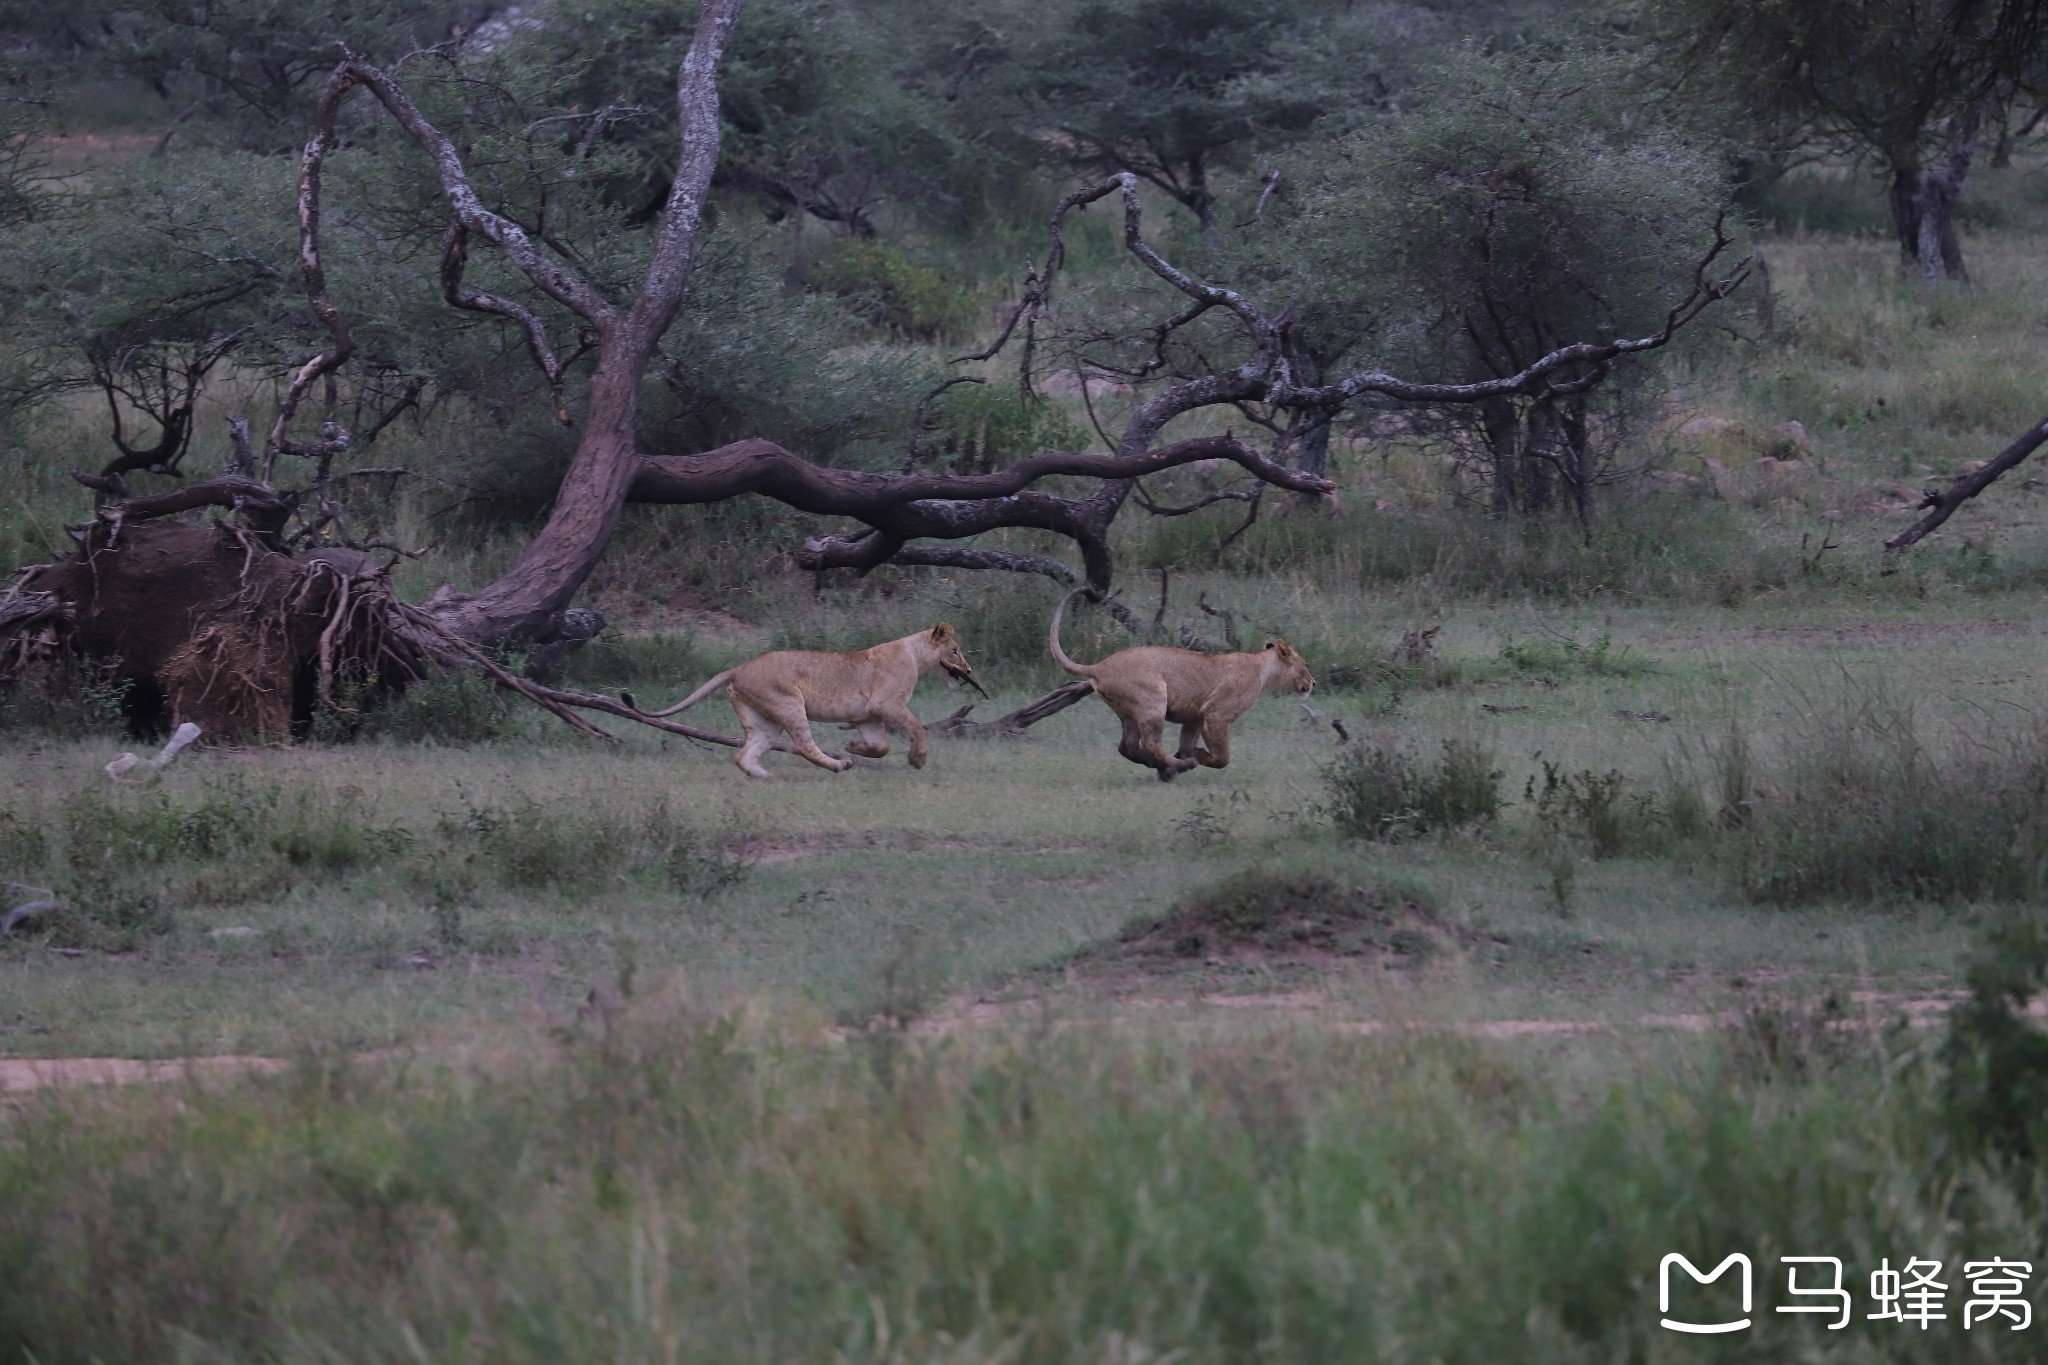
{"x":892,"y":291}
{"x":451,"y":708}
{"x":1562,"y":656}
{"x":532,"y":846}
{"x":1995,"y":1091}
{"x":1861,"y":808}
{"x":1593,"y":806}
{"x":1377,"y":790}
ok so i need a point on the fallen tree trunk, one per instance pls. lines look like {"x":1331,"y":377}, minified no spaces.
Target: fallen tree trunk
{"x":1013,"y":725}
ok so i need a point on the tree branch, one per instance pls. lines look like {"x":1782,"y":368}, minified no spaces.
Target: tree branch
{"x":547,"y":275}
{"x":454,"y":256}
{"x":1944,"y":504}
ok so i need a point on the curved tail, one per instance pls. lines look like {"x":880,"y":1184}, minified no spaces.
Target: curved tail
{"x":687,"y":702}
{"x":1053,"y":638}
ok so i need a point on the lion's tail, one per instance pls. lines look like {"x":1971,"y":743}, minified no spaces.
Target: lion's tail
{"x":687,"y":702}
{"x":1053,"y":638}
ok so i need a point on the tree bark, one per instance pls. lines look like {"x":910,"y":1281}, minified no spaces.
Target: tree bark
{"x":1923,"y":202}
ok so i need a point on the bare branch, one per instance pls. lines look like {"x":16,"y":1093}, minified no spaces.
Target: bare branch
{"x":1944,"y":505}
{"x":697,"y":108}
{"x":1208,"y":500}
{"x":547,"y":275}
{"x":454,"y":256}
{"x":1535,"y":378}
{"x":264,"y":509}
{"x":341,"y":345}
{"x":756,"y":466}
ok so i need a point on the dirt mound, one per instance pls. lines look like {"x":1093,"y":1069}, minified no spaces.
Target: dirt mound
{"x":1278,"y":917}
{"x":211,"y":624}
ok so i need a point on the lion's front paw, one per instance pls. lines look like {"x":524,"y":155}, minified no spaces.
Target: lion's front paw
{"x":917,"y":760}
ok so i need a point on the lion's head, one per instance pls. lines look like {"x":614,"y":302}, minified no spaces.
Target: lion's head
{"x":946,"y":649}
{"x":1293,"y":667}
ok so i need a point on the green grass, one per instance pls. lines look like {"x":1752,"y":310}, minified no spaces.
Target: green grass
{"x":678,"y":1182}
{"x":388,"y":892}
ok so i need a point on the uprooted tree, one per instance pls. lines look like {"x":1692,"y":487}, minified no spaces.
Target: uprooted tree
{"x":249,"y":623}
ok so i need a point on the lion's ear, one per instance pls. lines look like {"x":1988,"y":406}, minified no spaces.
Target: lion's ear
{"x":1269,"y":644}
{"x":943,"y":631}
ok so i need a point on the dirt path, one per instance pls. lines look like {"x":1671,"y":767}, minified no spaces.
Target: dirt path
{"x":20,"y":1074}
{"x":33,"y":1073}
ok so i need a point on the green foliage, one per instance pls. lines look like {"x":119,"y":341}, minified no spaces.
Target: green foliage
{"x":1172,"y":89}
{"x":1892,"y":76}
{"x":448,"y":707}
{"x":1376,"y":789}
{"x":124,"y":861}
{"x":1518,"y":205}
{"x":894,"y":292}
{"x":980,"y":427}
{"x":64,"y":697}
{"x":253,"y":67}
{"x":1054,"y":1199}
{"x":1595,"y":808}
{"x":1996,"y":1087}
{"x":532,"y":846}
{"x":1563,"y":656}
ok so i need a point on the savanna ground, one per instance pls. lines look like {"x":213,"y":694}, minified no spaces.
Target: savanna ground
{"x":605,"y":1052}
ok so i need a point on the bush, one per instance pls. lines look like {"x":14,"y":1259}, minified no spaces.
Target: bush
{"x":1861,"y":808}
{"x":120,"y":859}
{"x":531,"y":846}
{"x":892,"y":291}
{"x":1562,"y":656}
{"x":448,"y":707}
{"x":1594,"y":807}
{"x":1996,"y":1088}
{"x":1377,"y":790}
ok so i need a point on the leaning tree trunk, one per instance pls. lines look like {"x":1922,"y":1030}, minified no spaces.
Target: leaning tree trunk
{"x":527,"y":599}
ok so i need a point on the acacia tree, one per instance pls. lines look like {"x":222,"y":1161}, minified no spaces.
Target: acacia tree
{"x":1516,"y":204}
{"x":618,"y":329}
{"x":1913,"y":84}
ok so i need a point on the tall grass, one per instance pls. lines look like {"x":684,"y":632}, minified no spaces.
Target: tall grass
{"x":1862,"y":804}
{"x":694,"y":1189}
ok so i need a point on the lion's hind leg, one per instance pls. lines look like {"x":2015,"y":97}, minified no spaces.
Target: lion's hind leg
{"x":760,"y":733}
{"x":1144,"y":737}
{"x":788,"y":713}
{"x":1191,"y":743}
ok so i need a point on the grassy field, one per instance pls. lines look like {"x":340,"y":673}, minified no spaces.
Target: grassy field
{"x":494,"y":886}
{"x":1374,"y":1049}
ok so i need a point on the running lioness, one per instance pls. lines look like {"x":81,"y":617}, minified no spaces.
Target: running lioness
{"x":1149,"y":685}
{"x":867,"y":688}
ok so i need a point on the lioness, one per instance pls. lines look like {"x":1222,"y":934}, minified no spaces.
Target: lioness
{"x":1149,"y":685}
{"x":868,"y":688}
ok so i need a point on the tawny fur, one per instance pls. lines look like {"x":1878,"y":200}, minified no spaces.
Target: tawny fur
{"x":1149,"y":685}
{"x":867,"y":688}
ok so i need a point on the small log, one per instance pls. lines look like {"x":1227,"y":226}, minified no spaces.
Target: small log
{"x":1013,"y":725}
{"x":27,"y":911}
